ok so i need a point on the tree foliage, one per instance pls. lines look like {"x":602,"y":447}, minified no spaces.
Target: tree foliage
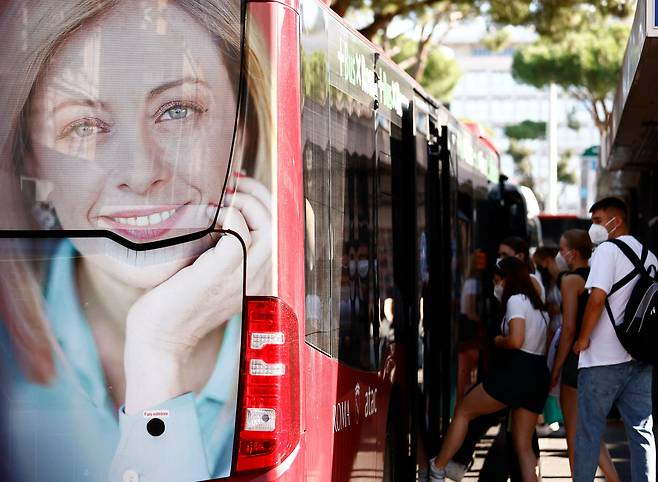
{"x":584,"y":63}
{"x":520,"y":154}
{"x":314,"y":74}
{"x":439,"y":74}
{"x":526,"y":129}
{"x":564,"y":174}
{"x":497,"y":40}
{"x":549,"y":17}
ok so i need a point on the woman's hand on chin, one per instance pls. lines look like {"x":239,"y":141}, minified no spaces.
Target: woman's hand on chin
{"x":165,"y":325}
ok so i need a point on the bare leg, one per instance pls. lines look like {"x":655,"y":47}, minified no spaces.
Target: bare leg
{"x":569,"y":405}
{"x":607,"y":467}
{"x":477,"y":402}
{"x":523,"y":426}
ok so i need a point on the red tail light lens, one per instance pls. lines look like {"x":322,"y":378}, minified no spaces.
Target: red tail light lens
{"x":269,"y":417}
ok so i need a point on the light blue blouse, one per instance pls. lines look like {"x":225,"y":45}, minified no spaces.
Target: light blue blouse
{"x":70,"y":430}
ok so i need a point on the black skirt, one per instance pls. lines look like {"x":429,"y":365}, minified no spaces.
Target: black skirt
{"x":521,"y":381}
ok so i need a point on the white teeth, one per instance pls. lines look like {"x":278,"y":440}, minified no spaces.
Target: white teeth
{"x":151,"y":220}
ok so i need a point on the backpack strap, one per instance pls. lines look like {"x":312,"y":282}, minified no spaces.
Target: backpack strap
{"x":655,"y":271}
{"x":630,"y":254}
{"x":638,"y":269}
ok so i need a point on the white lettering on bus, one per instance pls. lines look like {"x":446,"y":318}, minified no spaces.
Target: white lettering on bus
{"x":353,"y":68}
{"x":341,"y":413}
{"x":371,"y":402}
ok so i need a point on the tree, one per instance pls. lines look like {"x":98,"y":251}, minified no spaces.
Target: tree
{"x":526,"y":129}
{"x":564,"y":175}
{"x":314,"y":73}
{"x":549,"y":17}
{"x":433,"y":70}
{"x":521,"y":156}
{"x":519,"y":151}
{"x":584,"y":63}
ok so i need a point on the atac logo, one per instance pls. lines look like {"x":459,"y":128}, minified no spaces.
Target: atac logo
{"x":357,"y":401}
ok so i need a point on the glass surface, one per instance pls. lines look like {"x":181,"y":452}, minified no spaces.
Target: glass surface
{"x":122,"y":127}
{"x":118,"y":146}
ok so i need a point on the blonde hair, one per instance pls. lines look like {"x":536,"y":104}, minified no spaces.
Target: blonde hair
{"x":33,"y":31}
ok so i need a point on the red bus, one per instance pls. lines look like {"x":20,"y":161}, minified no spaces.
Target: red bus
{"x":237,"y":243}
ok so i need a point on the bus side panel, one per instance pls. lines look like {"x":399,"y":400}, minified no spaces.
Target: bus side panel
{"x":279,"y":25}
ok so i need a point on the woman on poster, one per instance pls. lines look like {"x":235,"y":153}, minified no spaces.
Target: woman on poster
{"x":122,"y":117}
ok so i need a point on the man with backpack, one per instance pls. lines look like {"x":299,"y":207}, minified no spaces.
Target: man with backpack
{"x":617,"y":344}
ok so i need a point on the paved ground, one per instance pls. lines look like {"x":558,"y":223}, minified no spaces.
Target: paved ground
{"x":554,"y":461}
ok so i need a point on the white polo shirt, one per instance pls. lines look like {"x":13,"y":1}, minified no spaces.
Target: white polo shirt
{"x":610,"y":265}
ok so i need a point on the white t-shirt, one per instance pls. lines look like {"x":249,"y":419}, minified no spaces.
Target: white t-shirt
{"x":536,"y":323}
{"x":610,"y":265}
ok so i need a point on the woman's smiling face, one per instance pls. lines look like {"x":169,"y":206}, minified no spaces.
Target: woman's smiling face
{"x":131,"y":127}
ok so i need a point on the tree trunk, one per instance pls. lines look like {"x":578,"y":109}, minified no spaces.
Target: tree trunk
{"x":340,"y":6}
{"x":423,"y":52}
{"x":379,"y":22}
{"x":383,"y":20}
{"x":600,"y":118}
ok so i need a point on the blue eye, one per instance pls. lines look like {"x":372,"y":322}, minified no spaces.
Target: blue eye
{"x":175,"y":113}
{"x":83,"y":128}
{"x":178,"y":110}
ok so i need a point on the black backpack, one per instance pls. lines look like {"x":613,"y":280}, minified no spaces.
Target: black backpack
{"x":638,"y":331}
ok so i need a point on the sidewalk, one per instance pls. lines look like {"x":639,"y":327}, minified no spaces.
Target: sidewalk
{"x":554,"y":461}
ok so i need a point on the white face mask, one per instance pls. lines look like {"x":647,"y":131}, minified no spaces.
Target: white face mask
{"x":562,"y":263}
{"x":599,"y":233}
{"x":498,"y":292}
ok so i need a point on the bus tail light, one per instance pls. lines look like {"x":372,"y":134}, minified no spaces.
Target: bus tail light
{"x":269,"y":410}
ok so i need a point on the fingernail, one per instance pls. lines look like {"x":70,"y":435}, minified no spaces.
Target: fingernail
{"x":239,"y":174}
{"x":230,"y":190}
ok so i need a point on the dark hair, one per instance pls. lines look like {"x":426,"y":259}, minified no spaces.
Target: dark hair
{"x":544,"y":252}
{"x":517,"y":281}
{"x":579,"y":240}
{"x":615,"y":203}
{"x":520,"y":245}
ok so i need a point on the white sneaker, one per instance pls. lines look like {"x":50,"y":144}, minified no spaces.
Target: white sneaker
{"x":455,"y":471}
{"x":436,"y":475}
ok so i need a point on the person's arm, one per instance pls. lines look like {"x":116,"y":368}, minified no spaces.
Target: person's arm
{"x":571,"y":286}
{"x":593,"y":312}
{"x":514,"y":340}
{"x":471,"y":307}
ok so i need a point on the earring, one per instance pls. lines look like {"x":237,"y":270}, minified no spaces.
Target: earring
{"x":45,"y":216}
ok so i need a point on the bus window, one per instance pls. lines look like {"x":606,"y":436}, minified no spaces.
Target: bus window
{"x":352,"y":220}
{"x":317,"y":254}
